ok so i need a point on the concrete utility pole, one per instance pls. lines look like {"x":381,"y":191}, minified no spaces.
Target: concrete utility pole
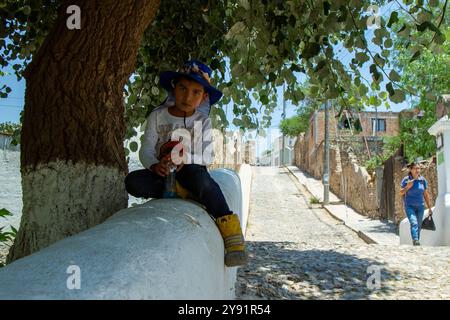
{"x":326,"y":159}
{"x":376,"y":131}
{"x":283,"y":116}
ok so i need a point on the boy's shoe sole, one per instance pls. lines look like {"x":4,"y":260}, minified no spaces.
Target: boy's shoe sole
{"x":236,"y":258}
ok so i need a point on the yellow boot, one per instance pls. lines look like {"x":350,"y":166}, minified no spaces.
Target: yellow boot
{"x":231,"y":232}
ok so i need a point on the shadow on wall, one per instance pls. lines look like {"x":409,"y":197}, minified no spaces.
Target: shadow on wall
{"x":277,"y":270}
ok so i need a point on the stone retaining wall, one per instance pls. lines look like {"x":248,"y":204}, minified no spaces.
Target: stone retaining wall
{"x":346,"y":176}
{"x":162,"y":249}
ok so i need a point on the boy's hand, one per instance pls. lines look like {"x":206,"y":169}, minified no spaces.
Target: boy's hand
{"x":180,"y":166}
{"x":162,"y":168}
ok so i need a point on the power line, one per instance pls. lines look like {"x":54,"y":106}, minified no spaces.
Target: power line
{"x":11,"y":106}
{"x":16,"y":98}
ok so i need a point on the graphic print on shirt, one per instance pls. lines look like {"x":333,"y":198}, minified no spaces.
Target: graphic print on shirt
{"x":193,"y":151}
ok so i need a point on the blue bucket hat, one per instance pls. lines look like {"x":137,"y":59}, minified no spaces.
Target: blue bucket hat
{"x":195,"y":70}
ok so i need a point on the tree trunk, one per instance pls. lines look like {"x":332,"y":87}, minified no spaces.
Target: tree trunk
{"x":72,"y":155}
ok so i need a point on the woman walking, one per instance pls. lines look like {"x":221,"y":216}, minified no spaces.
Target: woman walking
{"x":414,"y":189}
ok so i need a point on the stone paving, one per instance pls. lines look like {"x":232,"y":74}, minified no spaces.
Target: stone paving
{"x":298,"y":251}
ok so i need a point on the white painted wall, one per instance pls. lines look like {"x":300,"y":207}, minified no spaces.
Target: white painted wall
{"x":162,"y":249}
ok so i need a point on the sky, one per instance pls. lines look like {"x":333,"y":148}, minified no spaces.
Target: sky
{"x":11,"y":107}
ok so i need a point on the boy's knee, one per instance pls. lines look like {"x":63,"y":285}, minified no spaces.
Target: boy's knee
{"x":207,"y":184}
{"x":129,"y":182}
{"x":133,"y":183}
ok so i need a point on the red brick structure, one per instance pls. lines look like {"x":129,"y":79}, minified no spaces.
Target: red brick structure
{"x":388,"y":124}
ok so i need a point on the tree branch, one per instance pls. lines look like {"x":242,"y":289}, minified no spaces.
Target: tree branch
{"x":414,"y":18}
{"x":373,"y":59}
{"x":440,"y":22}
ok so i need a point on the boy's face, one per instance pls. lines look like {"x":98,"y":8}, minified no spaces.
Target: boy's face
{"x":189,"y":94}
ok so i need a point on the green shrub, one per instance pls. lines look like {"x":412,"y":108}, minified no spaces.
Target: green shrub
{"x":314,"y":200}
{"x":6,"y":237}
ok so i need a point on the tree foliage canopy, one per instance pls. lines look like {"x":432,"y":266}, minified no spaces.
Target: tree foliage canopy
{"x":261,"y":44}
{"x":300,"y":122}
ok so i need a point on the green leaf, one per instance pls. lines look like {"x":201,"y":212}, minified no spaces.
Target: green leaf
{"x":404,"y":31}
{"x":377,"y":40}
{"x":4,"y":212}
{"x":272,"y":77}
{"x":398,"y":96}
{"x":393,"y":19}
{"x":361,"y":57}
{"x":362,"y":90}
{"x":390,"y":89}
{"x":428,"y":25}
{"x":383,"y":95}
{"x":237,"y":28}
{"x":433,"y":3}
{"x":326,"y":8}
{"x":133,"y":146}
{"x":415,"y":56}
{"x":373,"y":100}
{"x":385,"y":53}
{"x":376,"y":75}
{"x":155,"y":91}
{"x":311,"y":50}
{"x":294,"y":68}
{"x":26,"y":10}
{"x":237,"y":122}
{"x":439,"y":39}
{"x":394,"y":76}
{"x":237,"y":70}
{"x":264,"y":99}
{"x":359,"y":43}
{"x":388,"y":43}
{"x":250,"y":82}
{"x":379,"y":60}
{"x":132,"y":99}
{"x":245,"y":4}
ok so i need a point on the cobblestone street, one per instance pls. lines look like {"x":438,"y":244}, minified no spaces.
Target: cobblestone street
{"x":298,"y":251}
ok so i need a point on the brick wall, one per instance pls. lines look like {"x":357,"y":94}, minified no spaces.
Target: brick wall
{"x":392,"y":125}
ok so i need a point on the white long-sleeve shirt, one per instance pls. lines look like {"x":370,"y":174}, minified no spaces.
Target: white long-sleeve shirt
{"x":162,"y":126}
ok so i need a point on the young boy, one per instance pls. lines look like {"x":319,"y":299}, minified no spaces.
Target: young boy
{"x":189,"y":91}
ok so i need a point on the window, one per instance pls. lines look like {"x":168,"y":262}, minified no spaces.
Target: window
{"x":379,"y":125}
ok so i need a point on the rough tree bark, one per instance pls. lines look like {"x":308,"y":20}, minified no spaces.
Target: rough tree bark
{"x":72,"y":155}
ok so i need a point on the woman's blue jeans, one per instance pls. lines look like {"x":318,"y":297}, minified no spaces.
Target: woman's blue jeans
{"x":415,"y":217}
{"x":195,"y":178}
